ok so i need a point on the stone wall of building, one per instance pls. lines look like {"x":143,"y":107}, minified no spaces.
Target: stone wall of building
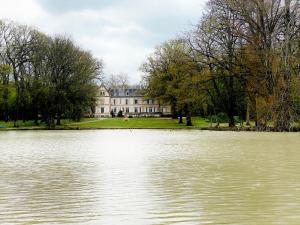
{"x":129,"y":105}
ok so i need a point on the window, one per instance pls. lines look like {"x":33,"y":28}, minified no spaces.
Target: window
{"x":115,"y":110}
{"x":136,"y":110}
{"x":136,"y":101}
{"x":127,"y":93}
{"x":102,"y":109}
{"x":114,"y":101}
{"x":127,"y":110}
{"x":126,"y":101}
{"x":102,"y":93}
{"x":150,"y":110}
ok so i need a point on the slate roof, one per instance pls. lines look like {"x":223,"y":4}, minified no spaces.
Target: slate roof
{"x":127,"y":92}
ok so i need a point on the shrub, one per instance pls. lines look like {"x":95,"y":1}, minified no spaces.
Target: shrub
{"x":120,"y":113}
{"x":112,"y":114}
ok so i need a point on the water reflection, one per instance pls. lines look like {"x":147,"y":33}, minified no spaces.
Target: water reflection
{"x":149,"y":177}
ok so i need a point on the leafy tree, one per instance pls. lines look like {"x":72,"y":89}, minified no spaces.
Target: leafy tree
{"x":45,"y":77}
{"x":242,"y":59}
{"x":169,"y":77}
{"x":4,"y":91}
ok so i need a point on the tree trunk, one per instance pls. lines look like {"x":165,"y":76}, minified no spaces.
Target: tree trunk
{"x":231,"y":120}
{"x":248,"y":113}
{"x":18,"y":99}
{"x":241,"y":121}
{"x":231,"y":113}
{"x":189,"y":121}
{"x":283,"y":106}
{"x":36,"y":116}
{"x":58,"y":120}
{"x":188,"y":116}
{"x":5,"y":99}
{"x":180,"y":118}
{"x":262,"y":110}
{"x":173,"y":109}
{"x":50,"y":122}
{"x":217,"y":122}
{"x":282,"y":120}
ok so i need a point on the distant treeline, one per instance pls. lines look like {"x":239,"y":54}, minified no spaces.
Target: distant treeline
{"x":242,"y":60}
{"x":44,"y":78}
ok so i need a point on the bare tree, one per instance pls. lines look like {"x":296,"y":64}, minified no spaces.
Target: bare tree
{"x":283,"y":110}
{"x":120,"y":80}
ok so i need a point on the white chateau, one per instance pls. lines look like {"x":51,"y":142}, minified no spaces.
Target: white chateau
{"x":130,"y":101}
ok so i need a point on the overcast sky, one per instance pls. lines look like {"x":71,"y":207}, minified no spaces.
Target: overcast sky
{"x":121,"y":32}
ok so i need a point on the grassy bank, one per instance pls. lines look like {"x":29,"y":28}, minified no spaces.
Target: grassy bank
{"x":133,"y":123}
{"x":159,"y":123}
{"x":113,"y":123}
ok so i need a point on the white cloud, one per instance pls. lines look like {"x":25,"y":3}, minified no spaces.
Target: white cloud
{"x":122,"y":33}
{"x":23,"y":11}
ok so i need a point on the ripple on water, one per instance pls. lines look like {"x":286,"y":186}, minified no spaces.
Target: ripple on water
{"x":149,"y":177}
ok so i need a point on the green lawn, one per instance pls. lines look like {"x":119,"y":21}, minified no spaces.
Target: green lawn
{"x":117,"y":123}
{"x":21,"y":124}
{"x":114,"y":123}
{"x":160,"y":123}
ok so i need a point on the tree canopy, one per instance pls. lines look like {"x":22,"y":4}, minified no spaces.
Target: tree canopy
{"x":241,"y":59}
{"x":44,"y":78}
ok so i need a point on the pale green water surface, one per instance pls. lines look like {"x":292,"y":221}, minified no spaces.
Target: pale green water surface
{"x":149,"y":177}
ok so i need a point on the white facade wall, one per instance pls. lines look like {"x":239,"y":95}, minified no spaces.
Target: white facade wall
{"x":129,"y":105}
{"x":103,"y":104}
{"x":133,"y":105}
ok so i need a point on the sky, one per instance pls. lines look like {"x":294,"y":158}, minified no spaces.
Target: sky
{"x":123,"y":33}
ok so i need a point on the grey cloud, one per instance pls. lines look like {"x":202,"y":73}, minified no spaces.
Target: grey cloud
{"x":121,"y":32}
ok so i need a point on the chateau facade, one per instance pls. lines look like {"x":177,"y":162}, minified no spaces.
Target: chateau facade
{"x":130,"y":101}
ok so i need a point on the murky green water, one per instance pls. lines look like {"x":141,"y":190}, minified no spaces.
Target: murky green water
{"x":149,"y":177}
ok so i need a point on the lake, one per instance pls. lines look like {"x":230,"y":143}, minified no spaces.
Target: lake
{"x":143,"y":177}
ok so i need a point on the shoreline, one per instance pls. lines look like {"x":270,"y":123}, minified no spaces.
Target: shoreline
{"x":223,"y":129}
{"x":201,"y":124}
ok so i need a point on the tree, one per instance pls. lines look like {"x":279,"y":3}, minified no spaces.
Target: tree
{"x":216,"y":47}
{"x":72,"y":78}
{"x":16,"y":40}
{"x":290,"y":29}
{"x":169,"y":78}
{"x":120,"y":80}
{"x":5,"y":70}
{"x":270,"y":29}
{"x":242,"y":59}
{"x":51,"y":76}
